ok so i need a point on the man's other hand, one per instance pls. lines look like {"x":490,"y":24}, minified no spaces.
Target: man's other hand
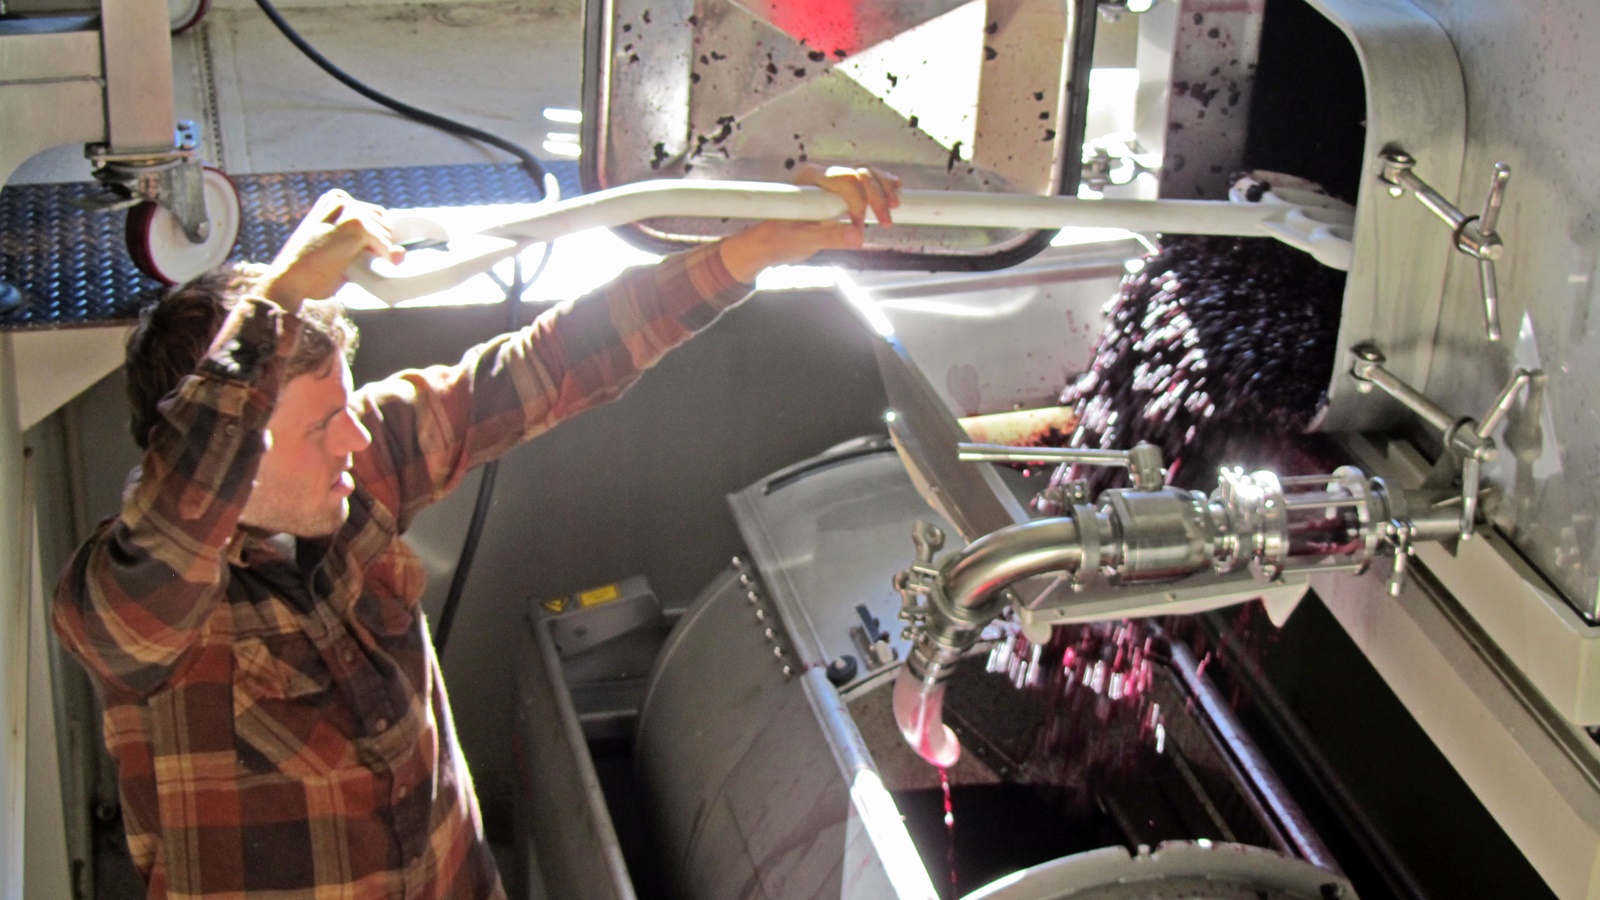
{"x":776,"y":243}
{"x":337,"y":230}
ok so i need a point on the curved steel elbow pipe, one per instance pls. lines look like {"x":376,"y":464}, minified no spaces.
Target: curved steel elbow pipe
{"x":975,"y":576}
{"x":967,"y":595}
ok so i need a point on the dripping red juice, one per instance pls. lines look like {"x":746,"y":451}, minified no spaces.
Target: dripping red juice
{"x":1085,"y":761}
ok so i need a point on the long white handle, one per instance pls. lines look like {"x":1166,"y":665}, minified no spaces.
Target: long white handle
{"x":473,"y":254}
{"x":972,"y":209}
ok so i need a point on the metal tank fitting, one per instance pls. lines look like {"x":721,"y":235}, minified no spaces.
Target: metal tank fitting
{"x":1135,"y":544}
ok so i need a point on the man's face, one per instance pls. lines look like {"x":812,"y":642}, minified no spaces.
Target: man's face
{"x":303,"y":484}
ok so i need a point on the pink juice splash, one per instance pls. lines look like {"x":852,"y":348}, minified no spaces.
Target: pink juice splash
{"x":919,"y":711}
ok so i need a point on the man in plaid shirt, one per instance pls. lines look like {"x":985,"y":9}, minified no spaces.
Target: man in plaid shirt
{"x":250,"y":618}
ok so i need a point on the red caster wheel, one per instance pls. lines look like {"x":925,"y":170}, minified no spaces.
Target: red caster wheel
{"x":160,"y":248}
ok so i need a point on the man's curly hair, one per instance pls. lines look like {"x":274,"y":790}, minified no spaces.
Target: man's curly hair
{"x":175,"y":331}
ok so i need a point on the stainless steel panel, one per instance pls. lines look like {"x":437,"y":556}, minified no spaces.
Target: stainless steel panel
{"x":1415,"y":98}
{"x":926,"y":434}
{"x":565,"y":836}
{"x":745,"y":797}
{"x":1536,"y":774}
{"x":1530,"y":79}
{"x":855,"y":509}
{"x":1212,"y":79}
{"x":864,"y":506}
{"x":981,"y":96}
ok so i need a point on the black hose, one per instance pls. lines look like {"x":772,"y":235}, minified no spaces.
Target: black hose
{"x":491,"y":469}
{"x":529,"y":161}
{"x":469,"y":551}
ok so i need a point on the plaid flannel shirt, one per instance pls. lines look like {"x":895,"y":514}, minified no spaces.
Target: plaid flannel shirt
{"x":277,"y":714}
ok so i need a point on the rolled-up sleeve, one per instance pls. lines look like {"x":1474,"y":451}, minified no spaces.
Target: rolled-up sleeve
{"x":430,"y":426}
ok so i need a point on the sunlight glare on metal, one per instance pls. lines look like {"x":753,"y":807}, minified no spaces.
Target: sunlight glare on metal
{"x":562,"y":143}
{"x":1075,"y":235}
{"x":862,"y":302}
{"x":887,"y":831}
{"x":579,"y":262}
{"x":952,"y":310}
{"x":583,"y":261}
{"x":455,"y":221}
{"x":795,"y":278}
{"x":930,"y":75}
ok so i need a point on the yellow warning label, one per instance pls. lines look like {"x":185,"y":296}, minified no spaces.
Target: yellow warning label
{"x":556,"y":605}
{"x":598,"y":596}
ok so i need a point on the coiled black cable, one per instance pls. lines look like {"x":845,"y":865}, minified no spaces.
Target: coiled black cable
{"x":547,"y":191}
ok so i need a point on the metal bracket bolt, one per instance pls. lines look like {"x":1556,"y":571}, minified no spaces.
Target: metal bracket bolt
{"x":1400,"y":532}
{"x":1473,"y":235}
{"x":1469,"y":441}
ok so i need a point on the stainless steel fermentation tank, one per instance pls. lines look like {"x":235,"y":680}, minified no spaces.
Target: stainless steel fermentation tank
{"x":763,"y":773}
{"x":760,"y":767}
